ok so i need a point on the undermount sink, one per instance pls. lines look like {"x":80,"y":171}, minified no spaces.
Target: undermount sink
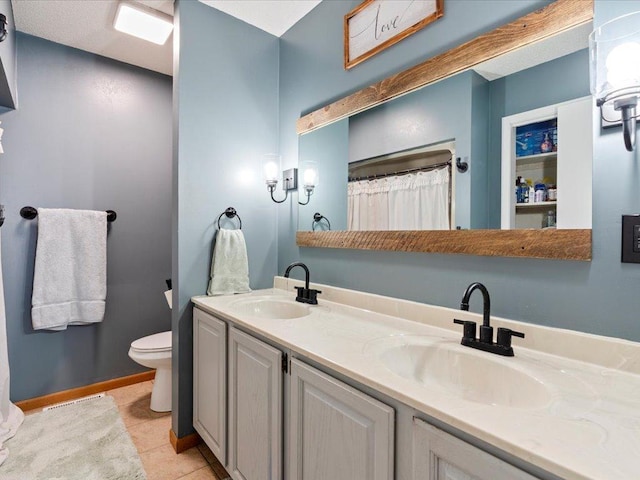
{"x":271,"y":308}
{"x":470,"y":374}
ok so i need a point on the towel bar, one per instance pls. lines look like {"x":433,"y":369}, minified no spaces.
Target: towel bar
{"x":30,"y":213}
{"x":230,"y":213}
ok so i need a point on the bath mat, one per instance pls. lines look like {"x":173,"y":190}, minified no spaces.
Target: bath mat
{"x":83,"y":441}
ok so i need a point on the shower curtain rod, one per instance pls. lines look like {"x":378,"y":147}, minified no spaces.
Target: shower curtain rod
{"x":403,"y":172}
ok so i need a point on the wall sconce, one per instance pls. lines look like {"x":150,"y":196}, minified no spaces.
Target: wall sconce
{"x":271,"y":171}
{"x":614,"y":51}
{"x":310,"y":179}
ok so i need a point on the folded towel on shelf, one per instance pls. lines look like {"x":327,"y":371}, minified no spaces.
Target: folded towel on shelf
{"x":70,"y":277}
{"x":230,"y":265}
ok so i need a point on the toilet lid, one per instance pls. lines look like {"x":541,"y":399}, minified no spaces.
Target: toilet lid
{"x":153,"y":343}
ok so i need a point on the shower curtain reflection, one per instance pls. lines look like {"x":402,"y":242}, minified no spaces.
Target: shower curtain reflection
{"x":413,"y":201}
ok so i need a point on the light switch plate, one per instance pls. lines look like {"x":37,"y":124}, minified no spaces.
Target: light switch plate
{"x":630,"y":239}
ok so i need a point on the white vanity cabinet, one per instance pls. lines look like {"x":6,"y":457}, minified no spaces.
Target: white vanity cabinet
{"x":210,"y":381}
{"x":255,"y":408}
{"x":336,"y":431}
{"x":440,"y":456}
{"x":237,"y":398}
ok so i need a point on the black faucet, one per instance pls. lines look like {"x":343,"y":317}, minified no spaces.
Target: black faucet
{"x":485,"y":342}
{"x":305,"y":294}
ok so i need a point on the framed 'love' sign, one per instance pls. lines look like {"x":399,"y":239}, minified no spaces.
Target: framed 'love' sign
{"x":377,"y":24}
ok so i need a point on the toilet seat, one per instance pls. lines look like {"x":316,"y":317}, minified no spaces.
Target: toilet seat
{"x":158,"y":342}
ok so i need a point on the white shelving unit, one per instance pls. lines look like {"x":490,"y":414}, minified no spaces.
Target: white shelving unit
{"x":531,"y":206}
{"x":569,"y":167}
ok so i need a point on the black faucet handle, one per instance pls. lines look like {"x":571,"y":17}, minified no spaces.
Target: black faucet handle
{"x":504,"y":336}
{"x":468,"y":328}
{"x":307,"y":295}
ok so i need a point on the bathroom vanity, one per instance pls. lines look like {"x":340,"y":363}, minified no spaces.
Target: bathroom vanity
{"x":369,"y":387}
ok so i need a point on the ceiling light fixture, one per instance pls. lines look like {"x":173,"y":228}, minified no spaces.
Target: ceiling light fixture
{"x":143,"y":22}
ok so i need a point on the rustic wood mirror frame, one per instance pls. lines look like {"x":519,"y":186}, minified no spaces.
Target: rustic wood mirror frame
{"x":554,"y":244}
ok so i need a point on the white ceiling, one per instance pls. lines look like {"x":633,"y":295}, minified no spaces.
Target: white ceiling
{"x":88,"y":25}
{"x":272,"y":16}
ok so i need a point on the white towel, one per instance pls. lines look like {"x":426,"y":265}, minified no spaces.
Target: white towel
{"x":229,"y":266}
{"x":70,"y":277}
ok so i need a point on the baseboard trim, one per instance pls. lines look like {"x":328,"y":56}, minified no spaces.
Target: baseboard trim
{"x":79,"y":392}
{"x":183,"y":443}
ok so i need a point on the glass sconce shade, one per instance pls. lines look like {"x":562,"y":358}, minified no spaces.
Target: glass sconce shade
{"x":615,"y":58}
{"x":310,"y":175}
{"x":310,"y":179}
{"x":271,"y":168}
{"x":614,"y":64}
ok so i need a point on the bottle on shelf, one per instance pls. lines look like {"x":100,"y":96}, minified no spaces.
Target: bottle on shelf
{"x":550,"y":220}
{"x":546,"y":145}
{"x":524,"y":188}
{"x":540,"y":192}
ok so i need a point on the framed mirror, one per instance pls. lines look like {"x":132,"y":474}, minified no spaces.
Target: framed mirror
{"x":461,"y":112}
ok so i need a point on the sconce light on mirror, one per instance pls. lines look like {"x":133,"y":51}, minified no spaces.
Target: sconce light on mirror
{"x":271,"y":170}
{"x":310,"y":178}
{"x":614,"y":51}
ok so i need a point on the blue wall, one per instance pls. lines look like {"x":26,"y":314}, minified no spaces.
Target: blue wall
{"x":226,"y":114}
{"x":90,"y":133}
{"x":439,"y":113}
{"x":592,"y":296}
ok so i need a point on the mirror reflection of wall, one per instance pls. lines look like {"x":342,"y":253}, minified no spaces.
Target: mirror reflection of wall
{"x":329,"y":148}
{"x":466,"y":108}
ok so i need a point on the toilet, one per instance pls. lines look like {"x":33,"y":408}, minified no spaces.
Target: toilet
{"x":154,"y":351}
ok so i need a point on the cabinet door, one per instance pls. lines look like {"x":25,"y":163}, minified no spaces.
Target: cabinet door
{"x":575,"y":160}
{"x":255,"y":408}
{"x":336,"y":431}
{"x":440,"y":456}
{"x":210,"y":381}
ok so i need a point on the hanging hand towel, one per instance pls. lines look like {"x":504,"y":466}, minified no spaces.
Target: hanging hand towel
{"x":70,"y":277}
{"x":229,"y":266}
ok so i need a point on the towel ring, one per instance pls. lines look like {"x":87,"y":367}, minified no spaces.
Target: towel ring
{"x":317,"y":217}
{"x":230,"y":213}
{"x":30,"y":213}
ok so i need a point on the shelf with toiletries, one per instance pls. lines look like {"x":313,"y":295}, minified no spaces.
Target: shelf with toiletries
{"x":545,"y":160}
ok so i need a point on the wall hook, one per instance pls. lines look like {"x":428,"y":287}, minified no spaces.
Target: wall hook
{"x":461,"y":166}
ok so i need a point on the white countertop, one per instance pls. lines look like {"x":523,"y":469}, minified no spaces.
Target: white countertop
{"x":589,"y":430}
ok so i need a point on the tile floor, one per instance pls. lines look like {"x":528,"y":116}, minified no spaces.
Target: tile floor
{"x":149,"y":431}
